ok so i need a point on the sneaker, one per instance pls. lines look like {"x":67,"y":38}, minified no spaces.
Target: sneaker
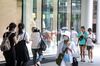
{"x":38,"y":64}
{"x":91,"y":61}
{"x":82,"y":60}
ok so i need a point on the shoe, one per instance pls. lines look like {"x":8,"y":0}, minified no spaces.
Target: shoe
{"x":82,"y":60}
{"x":91,"y":61}
{"x":38,"y":64}
{"x":35,"y":65}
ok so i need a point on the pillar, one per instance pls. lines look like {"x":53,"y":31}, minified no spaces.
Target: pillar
{"x":27,"y":14}
{"x":87,"y":13}
{"x":98,"y":23}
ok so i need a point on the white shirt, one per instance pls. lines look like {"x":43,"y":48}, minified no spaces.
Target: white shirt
{"x":23,"y":36}
{"x":89,"y":39}
{"x":74,"y":36}
{"x":35,"y":38}
{"x":60,"y":46}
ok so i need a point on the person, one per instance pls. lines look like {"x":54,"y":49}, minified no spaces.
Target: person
{"x":22,"y":55}
{"x":10,"y":54}
{"x":37,"y":53}
{"x":64,"y":31}
{"x":68,"y":47}
{"x":74,"y":36}
{"x":82,"y":35}
{"x":90,"y":45}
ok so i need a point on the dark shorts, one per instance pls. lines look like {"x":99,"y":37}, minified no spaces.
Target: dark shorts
{"x":82,"y":45}
{"x":89,"y":47}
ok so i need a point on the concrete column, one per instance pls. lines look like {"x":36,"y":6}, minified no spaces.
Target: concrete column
{"x":69,"y":14}
{"x":28,"y":10}
{"x":87,"y":13}
{"x":98,"y":22}
{"x":39,"y":15}
{"x":55,"y":15}
{"x":83,"y":12}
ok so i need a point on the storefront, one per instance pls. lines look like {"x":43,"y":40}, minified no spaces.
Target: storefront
{"x":50,"y":16}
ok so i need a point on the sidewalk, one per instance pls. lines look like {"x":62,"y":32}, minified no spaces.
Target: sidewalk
{"x":50,"y":60}
{"x":95,"y":63}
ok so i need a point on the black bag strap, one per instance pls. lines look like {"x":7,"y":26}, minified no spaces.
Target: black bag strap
{"x":7,"y":36}
{"x":24,"y":36}
{"x":40,"y":35}
{"x":64,"y":50}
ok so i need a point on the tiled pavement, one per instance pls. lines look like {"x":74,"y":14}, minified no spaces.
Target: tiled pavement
{"x":49,"y":61}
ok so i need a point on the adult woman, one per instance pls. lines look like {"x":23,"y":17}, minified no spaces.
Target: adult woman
{"x":22,"y":55}
{"x":66,"y":47}
{"x":82,"y":42}
{"x":35,"y":38}
{"x":90,"y":44}
{"x":10,"y":54}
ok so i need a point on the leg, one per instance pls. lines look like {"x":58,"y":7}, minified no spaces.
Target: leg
{"x":18,"y":63}
{"x":63,"y":63}
{"x":10,"y":60}
{"x":88,"y":49}
{"x":34,"y":51}
{"x":40,"y":55}
{"x":24,"y":63}
{"x":83,"y":49}
{"x":91,"y":55}
{"x":81,"y":52}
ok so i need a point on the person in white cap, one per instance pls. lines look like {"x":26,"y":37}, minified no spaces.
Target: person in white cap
{"x":68,"y":47}
{"x":64,"y":31}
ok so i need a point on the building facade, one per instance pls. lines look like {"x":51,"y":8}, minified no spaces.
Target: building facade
{"x":50,"y":16}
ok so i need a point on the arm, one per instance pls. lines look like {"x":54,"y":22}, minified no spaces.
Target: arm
{"x":27,"y":37}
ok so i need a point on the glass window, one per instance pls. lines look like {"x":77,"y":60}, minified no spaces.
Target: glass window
{"x":62,"y":13}
{"x":34,"y":8}
{"x":47,"y":14}
{"x":47,"y":27}
{"x":76,"y":12}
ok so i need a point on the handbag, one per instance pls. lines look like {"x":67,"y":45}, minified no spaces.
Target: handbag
{"x":21,"y":50}
{"x":93,"y":40}
{"x":42,"y":44}
{"x":60,"y":57}
{"x":5,"y":45}
{"x":66,"y":57}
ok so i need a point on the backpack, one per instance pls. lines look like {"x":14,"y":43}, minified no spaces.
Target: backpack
{"x":5,"y":45}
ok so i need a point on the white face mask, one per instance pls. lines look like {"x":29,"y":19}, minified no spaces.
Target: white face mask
{"x":65,"y":38}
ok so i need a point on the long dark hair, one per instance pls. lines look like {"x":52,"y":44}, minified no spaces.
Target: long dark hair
{"x":11,"y":26}
{"x":20,"y":28}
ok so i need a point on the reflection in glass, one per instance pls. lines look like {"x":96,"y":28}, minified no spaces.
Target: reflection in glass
{"x":76,"y":12}
{"x":62,"y":13}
